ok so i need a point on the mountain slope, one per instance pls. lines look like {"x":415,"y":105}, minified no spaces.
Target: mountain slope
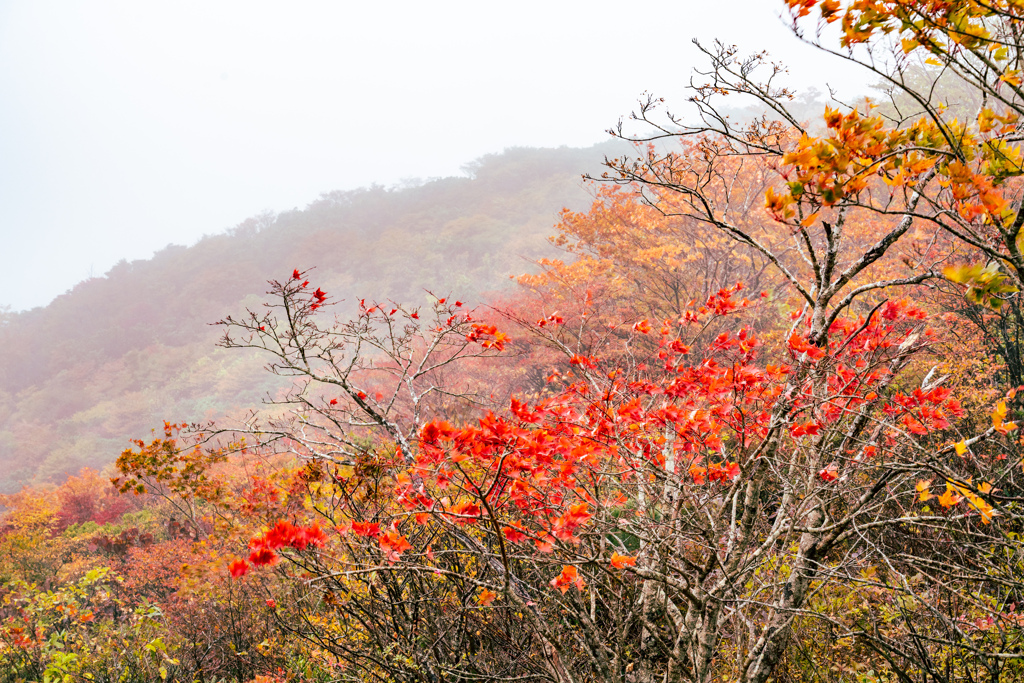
{"x":116,"y":355}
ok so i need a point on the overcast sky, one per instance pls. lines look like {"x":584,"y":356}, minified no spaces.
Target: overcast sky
{"x":126,"y":126}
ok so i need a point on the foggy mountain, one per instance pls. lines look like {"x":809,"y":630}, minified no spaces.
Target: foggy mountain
{"x":119,"y":354}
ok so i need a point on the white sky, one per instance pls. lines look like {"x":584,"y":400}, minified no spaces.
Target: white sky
{"x":125,"y":126}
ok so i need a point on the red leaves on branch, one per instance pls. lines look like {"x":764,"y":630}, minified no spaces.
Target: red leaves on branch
{"x":809,"y":428}
{"x":488,"y":336}
{"x":465,"y":513}
{"x":435,"y":431}
{"x":724,"y":473}
{"x":284,"y":534}
{"x":569,"y":577}
{"x":281,"y":535}
{"x":238,"y":568}
{"x":798,"y":345}
{"x":393,"y":544}
{"x":549,"y":478}
{"x":554,"y":319}
{"x":314,"y":536}
{"x":263,"y":557}
{"x":566,"y":525}
{"x":583,"y":361}
{"x":541,"y":452}
{"x":722,"y":303}
{"x":366,"y":528}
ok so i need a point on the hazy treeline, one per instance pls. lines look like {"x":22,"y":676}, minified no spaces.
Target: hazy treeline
{"x":118,"y":354}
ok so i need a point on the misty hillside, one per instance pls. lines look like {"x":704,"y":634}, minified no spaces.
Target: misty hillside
{"x":119,"y":354}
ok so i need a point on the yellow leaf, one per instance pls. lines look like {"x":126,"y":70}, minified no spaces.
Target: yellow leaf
{"x":922,"y":490}
{"x":999,"y":414}
{"x":983,"y":508}
{"x":933,"y":61}
{"x":961,"y":274}
{"x":976,"y":501}
{"x":961,"y":447}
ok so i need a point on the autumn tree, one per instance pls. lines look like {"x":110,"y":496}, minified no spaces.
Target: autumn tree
{"x":693,"y":497}
{"x":643,"y":522}
{"x":650,"y":262}
{"x":923,"y":173}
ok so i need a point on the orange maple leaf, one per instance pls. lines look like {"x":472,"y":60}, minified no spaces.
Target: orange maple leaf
{"x":620,"y":561}
{"x":486,"y":597}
